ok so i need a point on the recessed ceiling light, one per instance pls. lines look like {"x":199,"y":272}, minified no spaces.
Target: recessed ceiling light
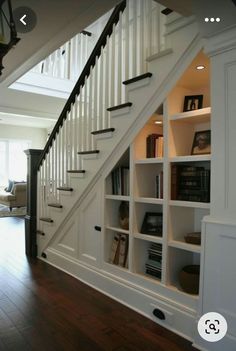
{"x":158,"y":122}
{"x":200,"y":67}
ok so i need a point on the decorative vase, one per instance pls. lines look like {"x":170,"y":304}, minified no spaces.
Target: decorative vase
{"x":124,"y":215}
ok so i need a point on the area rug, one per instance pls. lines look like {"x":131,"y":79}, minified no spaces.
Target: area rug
{"x":16,"y":212}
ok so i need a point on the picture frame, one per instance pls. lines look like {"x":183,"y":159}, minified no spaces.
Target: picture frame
{"x":152,"y":223}
{"x":201,"y":143}
{"x":192,"y":102}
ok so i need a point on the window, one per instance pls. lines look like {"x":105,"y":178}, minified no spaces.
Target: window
{"x":13,"y":160}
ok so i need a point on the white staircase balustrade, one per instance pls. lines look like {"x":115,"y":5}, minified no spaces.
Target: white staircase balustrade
{"x":138,"y":35}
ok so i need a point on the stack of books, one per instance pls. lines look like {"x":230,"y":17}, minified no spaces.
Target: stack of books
{"x":120,"y":181}
{"x":159,"y":185}
{"x":190,"y":183}
{"x":119,"y":250}
{"x":154,"y":262}
{"x":154,"y":145}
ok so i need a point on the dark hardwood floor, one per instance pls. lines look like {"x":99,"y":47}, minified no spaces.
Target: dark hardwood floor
{"x":42,"y":308}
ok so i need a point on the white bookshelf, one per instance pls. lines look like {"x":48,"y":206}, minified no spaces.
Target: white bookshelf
{"x":179,"y":218}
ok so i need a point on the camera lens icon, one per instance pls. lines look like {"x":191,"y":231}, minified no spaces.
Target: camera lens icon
{"x":212,"y":327}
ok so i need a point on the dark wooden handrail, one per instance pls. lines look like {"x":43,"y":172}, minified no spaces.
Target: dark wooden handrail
{"x":114,"y":18}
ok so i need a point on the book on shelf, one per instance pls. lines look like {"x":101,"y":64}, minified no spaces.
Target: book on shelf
{"x":159,"y":185}
{"x":120,"y":177}
{"x":190,"y":183}
{"x":154,"y":145}
{"x":119,"y":250}
{"x":153,"y":264}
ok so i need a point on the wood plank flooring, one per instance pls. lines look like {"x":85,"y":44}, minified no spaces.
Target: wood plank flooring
{"x":42,"y":308}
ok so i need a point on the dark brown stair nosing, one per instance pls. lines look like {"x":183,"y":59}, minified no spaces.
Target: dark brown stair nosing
{"x":103,"y":131}
{"x":85,"y":32}
{"x":55,"y":205}
{"x":64,"y":188}
{"x":46,"y":219}
{"x":40,"y":232}
{"x":166,"y":11}
{"x":79,"y":171}
{"x":119,"y":107}
{"x":136,"y":79}
{"x":90,"y":152}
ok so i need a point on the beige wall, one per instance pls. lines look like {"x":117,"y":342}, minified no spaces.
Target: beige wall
{"x":36,"y":135}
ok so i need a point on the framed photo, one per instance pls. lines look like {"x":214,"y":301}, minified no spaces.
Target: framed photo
{"x":152,"y":224}
{"x":193,"y":102}
{"x":201,"y":143}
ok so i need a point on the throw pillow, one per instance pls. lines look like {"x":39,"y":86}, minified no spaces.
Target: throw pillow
{"x":10,"y":186}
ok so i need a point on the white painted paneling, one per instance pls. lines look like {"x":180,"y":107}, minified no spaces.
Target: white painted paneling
{"x":89,"y":217}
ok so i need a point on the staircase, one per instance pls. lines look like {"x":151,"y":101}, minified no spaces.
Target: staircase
{"x":132,"y":67}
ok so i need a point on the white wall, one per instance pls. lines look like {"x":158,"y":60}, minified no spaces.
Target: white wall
{"x":38,"y":136}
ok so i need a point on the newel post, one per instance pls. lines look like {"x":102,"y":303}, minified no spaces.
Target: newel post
{"x":33,"y":157}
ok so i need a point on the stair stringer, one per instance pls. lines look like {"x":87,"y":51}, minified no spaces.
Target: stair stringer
{"x":166,"y":71}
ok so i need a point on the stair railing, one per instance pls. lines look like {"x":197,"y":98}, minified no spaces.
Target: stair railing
{"x":69,"y":60}
{"x":133,"y":33}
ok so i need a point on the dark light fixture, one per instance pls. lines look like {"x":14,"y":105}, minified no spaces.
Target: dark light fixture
{"x":8,"y":34}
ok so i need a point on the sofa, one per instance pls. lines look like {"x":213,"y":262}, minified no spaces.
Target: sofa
{"x":17,"y":197}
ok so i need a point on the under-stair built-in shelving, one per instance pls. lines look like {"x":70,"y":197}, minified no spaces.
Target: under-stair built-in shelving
{"x":123,"y":206}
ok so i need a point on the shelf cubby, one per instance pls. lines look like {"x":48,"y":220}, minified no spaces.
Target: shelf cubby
{"x":146,"y":179}
{"x":177,"y":259}
{"x":141,"y":256}
{"x":140,"y":141}
{"x":184,"y":220}
{"x":109,"y":254}
{"x":190,"y":182}
{"x":124,"y":177}
{"x":140,"y":210}
{"x":112,"y":213}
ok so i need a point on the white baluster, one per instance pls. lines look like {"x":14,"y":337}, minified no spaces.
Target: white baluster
{"x":127,"y":41}
{"x":59,"y":153}
{"x":100,"y":113}
{"x":95,"y":97}
{"x":90,"y":108}
{"x":113,"y":65}
{"x":134,"y":39}
{"x":119,"y":60}
{"x":106,"y":85}
{"x":74,"y":130}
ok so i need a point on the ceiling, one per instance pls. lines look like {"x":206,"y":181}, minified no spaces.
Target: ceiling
{"x":194,"y":79}
{"x":184,"y":7}
{"x":57,"y":22}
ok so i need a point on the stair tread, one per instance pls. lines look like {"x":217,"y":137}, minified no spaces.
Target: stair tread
{"x":65,"y":188}
{"x":89,"y":152}
{"x":76,"y":171}
{"x":118,"y":107}
{"x":137,"y":78}
{"x":85,"y":32}
{"x":103,"y":131}
{"x":46,"y":219}
{"x":55,"y":205}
